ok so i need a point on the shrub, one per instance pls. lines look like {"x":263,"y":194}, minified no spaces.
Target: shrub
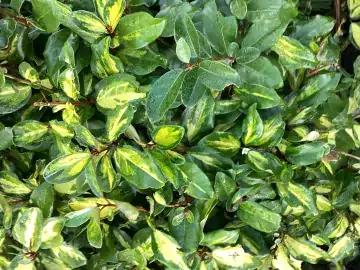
{"x":149,"y":134}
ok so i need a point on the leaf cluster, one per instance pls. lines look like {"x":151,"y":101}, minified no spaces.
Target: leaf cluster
{"x":171,"y":134}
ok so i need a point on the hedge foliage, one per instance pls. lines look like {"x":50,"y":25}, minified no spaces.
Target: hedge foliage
{"x":167,"y":134}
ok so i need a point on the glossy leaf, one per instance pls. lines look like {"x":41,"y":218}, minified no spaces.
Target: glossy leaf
{"x":163,"y":94}
{"x":259,"y":217}
{"x":167,"y":137}
{"x":66,"y":168}
{"x":139,"y":29}
{"x":27,"y":229}
{"x":217,"y":75}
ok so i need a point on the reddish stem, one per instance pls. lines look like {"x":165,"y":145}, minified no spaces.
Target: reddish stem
{"x":56,"y":103}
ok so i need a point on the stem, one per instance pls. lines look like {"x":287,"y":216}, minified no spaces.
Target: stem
{"x":318,"y":69}
{"x":192,"y":65}
{"x":182,"y":203}
{"x":19,"y":80}
{"x":16,"y":202}
{"x":346,"y":154}
{"x":21,"y":20}
{"x":337,"y":7}
{"x":56,"y":103}
{"x":96,"y":152}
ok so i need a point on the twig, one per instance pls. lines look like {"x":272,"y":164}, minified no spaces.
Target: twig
{"x":318,"y":69}
{"x":16,"y":202}
{"x":345,"y":154}
{"x":337,"y":7}
{"x":96,"y":152}
{"x":21,"y":20}
{"x":56,"y":103}
{"x":182,"y":203}
{"x":19,"y":80}
{"x":192,"y":65}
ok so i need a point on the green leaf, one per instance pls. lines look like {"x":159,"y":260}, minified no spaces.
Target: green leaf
{"x":87,"y":25}
{"x":336,"y":227}
{"x":163,"y":93}
{"x":59,"y":43}
{"x":129,"y":211}
{"x":263,"y":10}
{"x":185,"y":29}
{"x":85,"y":138}
{"x":7,"y":216}
{"x":118,"y":121}
{"x":263,"y":35}
{"x":192,"y":89}
{"x":220,"y":237}
{"x":294,"y":55}
{"x":105,"y":174}
{"x":110,"y":11}
{"x":199,"y":184}
{"x":139,"y":29}
{"x":187,"y":234}
{"x":247,"y":55}
{"x":13,"y":97}
{"x":77,"y":218}
{"x":51,"y":234}
{"x":224,"y":186}
{"x":28,"y":72}
{"x":166,"y":251}
{"x":92,"y":178}
{"x":307,"y":30}
{"x":220,"y":31}
{"x":263,"y":162}
{"x":72,"y":257}
{"x":183,"y":51}
{"x":318,"y":89}
{"x":132,"y":257}
{"x":168,"y":168}
{"x":6,"y":136}
{"x":93,"y":230}
{"x":238,"y":8}
{"x":45,"y":14}
{"x":20,"y":261}
{"x":273,"y":132}
{"x":298,"y":195}
{"x":138,"y":168}
{"x":171,"y":13}
{"x":141,"y":61}
{"x":43,"y":197}
{"x":263,"y":96}
{"x":16,"y":5}
{"x":10,"y":184}
{"x":77,"y":204}
{"x":27,"y":229}
{"x":66,"y":168}
{"x":252,"y":126}
{"x":217,"y":75}
{"x":29,"y":134}
{"x":116,"y":90}
{"x":259,"y":217}
{"x":167,"y":137}
{"x":103,"y":64}
{"x":342,"y":248}
{"x":306,"y":154}
{"x":304,"y":250}
{"x":260,"y":72}
{"x":222,"y":142}
{"x":235,"y":257}
{"x":69,"y":83}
